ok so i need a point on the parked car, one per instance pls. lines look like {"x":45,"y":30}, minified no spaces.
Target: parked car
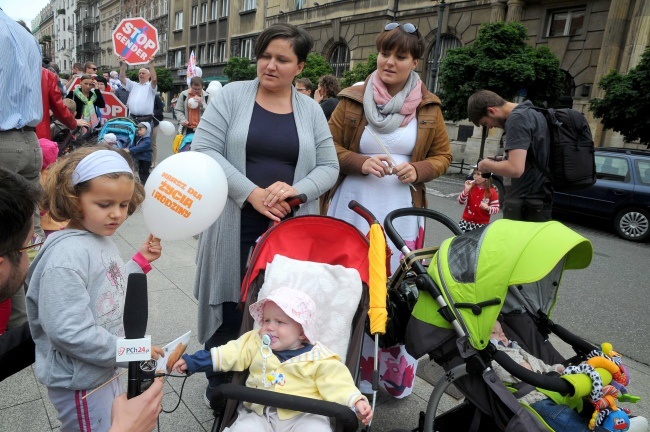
{"x":621,"y":193}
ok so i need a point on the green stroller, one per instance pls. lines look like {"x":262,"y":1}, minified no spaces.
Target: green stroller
{"x":509,"y":266}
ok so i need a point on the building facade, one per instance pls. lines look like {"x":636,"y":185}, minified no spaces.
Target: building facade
{"x":65,"y":43}
{"x":589,"y":37}
{"x":43,"y":30}
{"x":202,"y":27}
{"x":87,"y":31}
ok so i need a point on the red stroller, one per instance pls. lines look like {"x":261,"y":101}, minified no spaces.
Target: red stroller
{"x":316,"y":239}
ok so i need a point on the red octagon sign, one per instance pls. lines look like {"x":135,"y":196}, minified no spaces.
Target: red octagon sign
{"x":114,"y":107}
{"x":136,"y":40}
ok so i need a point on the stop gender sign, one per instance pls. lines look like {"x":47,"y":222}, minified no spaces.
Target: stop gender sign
{"x":136,"y":40}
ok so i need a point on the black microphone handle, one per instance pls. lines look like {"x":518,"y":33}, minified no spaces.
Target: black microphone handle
{"x":133,"y":382}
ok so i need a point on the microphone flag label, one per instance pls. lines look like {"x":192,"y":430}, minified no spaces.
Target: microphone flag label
{"x":133,"y":349}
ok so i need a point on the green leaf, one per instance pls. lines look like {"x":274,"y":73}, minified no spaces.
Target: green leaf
{"x":499,"y":60}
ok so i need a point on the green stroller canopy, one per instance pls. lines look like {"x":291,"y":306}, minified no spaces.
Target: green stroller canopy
{"x":474,"y":271}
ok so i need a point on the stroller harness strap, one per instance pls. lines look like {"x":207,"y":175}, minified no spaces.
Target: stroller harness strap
{"x":477,"y":308}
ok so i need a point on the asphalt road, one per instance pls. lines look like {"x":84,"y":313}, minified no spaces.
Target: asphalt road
{"x":609,"y":301}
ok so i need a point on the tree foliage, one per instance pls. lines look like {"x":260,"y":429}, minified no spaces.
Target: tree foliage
{"x":315,"y":67}
{"x":165,"y":80}
{"x":164,"y":76}
{"x":360,"y":71}
{"x":501,"y":61}
{"x":626,"y":103}
{"x":240,"y":69}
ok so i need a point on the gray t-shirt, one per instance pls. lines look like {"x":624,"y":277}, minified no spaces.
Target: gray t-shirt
{"x":523,"y":127}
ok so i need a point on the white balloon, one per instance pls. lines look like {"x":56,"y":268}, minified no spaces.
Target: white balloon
{"x":198,"y":71}
{"x":167,"y":127}
{"x":192,"y":103}
{"x":185,"y":194}
{"x":213,"y":88}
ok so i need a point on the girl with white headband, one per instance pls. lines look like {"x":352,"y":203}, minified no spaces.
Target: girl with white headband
{"x":77,"y":284}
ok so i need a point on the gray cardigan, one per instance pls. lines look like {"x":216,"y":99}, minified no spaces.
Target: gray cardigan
{"x":222,"y":134}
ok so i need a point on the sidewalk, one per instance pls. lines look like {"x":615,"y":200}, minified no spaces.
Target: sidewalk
{"x":24,"y":405}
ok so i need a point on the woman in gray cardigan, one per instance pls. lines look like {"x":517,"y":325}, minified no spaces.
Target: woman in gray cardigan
{"x":273,"y":143}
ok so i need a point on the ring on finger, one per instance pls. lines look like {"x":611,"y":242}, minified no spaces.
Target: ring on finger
{"x":281,"y":191}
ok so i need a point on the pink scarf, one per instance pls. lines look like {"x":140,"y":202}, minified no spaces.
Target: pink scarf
{"x":413,"y":100}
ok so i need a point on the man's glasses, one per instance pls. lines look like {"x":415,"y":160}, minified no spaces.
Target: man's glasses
{"x":302,"y":89}
{"x":35,"y":247}
{"x":93,"y":68}
{"x":408,"y":27}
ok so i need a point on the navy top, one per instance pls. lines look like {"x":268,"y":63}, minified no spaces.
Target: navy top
{"x":272,"y":147}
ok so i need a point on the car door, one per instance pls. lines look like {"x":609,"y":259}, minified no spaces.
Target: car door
{"x":613,"y":188}
{"x":642,"y":188}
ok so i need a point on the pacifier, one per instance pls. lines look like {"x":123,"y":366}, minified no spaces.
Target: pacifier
{"x":266,"y":340}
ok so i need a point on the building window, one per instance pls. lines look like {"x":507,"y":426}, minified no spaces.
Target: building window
{"x":225,"y":6}
{"x":162,"y":42}
{"x":567,"y":23}
{"x":211,"y":53}
{"x":246,"y":49}
{"x":178,"y":58}
{"x":340,"y":59}
{"x":222,"y":52}
{"x":447,"y":42}
{"x":204,"y":12}
{"x":213,"y":10}
{"x":250,"y":5}
{"x":201,"y":56}
{"x":299,"y":4}
{"x":195,"y":15}
{"x":178,"y":22}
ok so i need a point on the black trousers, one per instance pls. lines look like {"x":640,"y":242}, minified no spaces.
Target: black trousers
{"x":143,"y":170}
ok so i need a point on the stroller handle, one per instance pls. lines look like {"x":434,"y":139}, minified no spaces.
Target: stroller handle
{"x":295,"y":403}
{"x":546,"y":382}
{"x":427,"y":213}
{"x":362,"y":211}
{"x":297,"y":200}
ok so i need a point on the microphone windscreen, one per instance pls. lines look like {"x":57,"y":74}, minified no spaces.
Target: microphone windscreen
{"x":136,"y":309}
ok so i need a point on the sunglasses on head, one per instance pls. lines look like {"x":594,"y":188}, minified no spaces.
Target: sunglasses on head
{"x":408,"y":27}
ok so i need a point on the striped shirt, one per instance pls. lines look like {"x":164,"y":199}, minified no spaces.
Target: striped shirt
{"x":21,"y":102}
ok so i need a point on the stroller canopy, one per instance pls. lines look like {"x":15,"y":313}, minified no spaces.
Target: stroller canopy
{"x":474,"y":271}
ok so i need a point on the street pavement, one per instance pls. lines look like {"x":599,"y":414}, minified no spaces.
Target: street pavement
{"x":24,"y":405}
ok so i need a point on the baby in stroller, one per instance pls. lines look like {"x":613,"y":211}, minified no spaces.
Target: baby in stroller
{"x":283,"y":356}
{"x":561,"y":417}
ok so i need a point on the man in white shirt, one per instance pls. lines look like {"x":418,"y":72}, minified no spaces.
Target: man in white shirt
{"x":141,"y":94}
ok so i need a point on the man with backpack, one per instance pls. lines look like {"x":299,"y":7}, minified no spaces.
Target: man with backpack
{"x":529,"y":196}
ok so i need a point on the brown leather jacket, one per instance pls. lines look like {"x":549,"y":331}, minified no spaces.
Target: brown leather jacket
{"x":431,"y":155}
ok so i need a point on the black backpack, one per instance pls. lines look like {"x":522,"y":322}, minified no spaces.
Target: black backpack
{"x":572,"y":162}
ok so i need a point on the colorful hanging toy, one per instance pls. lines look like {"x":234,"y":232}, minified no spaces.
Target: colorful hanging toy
{"x":604,"y":398}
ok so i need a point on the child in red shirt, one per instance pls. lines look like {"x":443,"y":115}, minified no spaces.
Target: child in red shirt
{"x":481,"y":200}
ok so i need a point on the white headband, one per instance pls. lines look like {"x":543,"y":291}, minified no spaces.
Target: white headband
{"x":99,"y":163}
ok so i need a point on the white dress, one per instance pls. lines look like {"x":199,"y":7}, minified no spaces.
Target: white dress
{"x":380,"y":195}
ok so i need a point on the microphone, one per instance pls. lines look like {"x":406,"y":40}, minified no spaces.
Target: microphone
{"x":135,"y":325}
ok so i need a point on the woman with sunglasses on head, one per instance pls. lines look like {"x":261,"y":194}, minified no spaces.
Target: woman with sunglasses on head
{"x":390,"y":138}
